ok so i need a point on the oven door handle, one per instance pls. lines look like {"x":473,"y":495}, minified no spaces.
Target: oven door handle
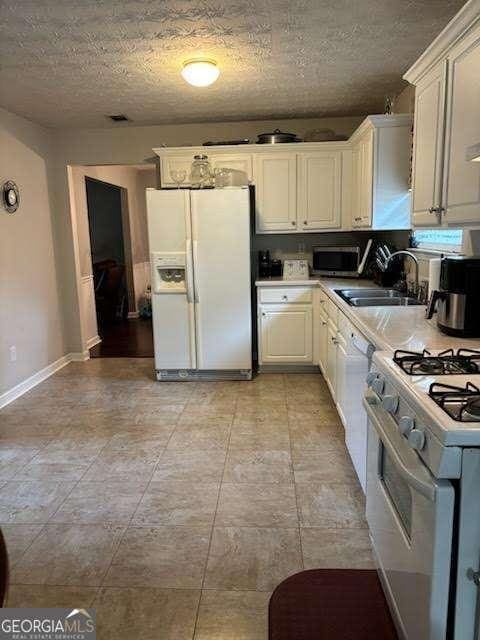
{"x":426,"y":489}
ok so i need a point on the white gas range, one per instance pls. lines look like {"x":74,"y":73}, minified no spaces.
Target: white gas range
{"x":423,"y":489}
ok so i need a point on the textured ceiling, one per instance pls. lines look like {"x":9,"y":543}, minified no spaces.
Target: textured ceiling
{"x":67,"y":63}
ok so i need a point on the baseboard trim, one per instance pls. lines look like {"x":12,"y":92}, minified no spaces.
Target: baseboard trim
{"x":93,"y":342}
{"x":32,"y":381}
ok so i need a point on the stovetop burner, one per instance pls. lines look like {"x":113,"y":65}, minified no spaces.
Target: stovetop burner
{"x":447,"y":362}
{"x":460,"y":403}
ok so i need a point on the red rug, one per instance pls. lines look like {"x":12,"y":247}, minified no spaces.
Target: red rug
{"x":330,"y":604}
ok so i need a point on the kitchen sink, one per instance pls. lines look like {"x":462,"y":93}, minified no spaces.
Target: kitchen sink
{"x":369,"y":293}
{"x":376,"y":298}
{"x":402,"y":301}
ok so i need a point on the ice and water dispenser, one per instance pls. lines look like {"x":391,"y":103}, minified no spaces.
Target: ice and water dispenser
{"x":169,"y":272}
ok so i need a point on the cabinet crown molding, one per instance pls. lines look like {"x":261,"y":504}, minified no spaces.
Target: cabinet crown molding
{"x":465,"y":19}
{"x":376,"y":121}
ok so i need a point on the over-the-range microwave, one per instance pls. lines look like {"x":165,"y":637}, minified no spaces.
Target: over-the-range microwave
{"x":336,"y":261}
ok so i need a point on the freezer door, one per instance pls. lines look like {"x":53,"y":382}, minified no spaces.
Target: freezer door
{"x":221,"y":256}
{"x":169,"y":232}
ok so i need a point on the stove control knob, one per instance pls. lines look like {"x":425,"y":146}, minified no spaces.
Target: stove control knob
{"x":371,"y":376}
{"x":416,"y":439}
{"x":378,"y":385}
{"x":390,"y":403}
{"x":406,"y":424}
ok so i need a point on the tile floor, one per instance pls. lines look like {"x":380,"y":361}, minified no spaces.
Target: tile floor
{"x":173,"y":508}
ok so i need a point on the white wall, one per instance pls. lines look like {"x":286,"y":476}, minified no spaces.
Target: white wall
{"x":30,"y":306}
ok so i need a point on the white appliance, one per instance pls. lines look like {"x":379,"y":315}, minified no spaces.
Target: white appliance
{"x":354,"y":357}
{"x":423,"y":482}
{"x":295,"y":270}
{"x":201,"y":283}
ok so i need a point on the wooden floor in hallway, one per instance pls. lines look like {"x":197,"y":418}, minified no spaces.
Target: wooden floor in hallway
{"x":173,"y":508}
{"x":131,"y":338}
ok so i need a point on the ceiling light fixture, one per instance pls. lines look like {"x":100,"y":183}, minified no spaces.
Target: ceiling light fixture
{"x":200,"y":72}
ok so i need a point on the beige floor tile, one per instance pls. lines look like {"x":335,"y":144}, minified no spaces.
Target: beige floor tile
{"x":331,"y":506}
{"x":40,"y":596}
{"x":68,"y":555}
{"x":191,"y":466}
{"x":257,"y":505}
{"x":251,"y":558}
{"x":171,"y":557}
{"x":14,"y":456}
{"x":31,"y":502}
{"x":146,"y":614}
{"x":154,"y":439}
{"x":122,"y":465}
{"x":312,"y":436}
{"x":57,"y":464}
{"x":233,"y":615}
{"x":336,"y":549}
{"x":322,"y":415}
{"x":199,"y":437}
{"x":251,"y":425}
{"x":330,"y":465}
{"x":258,"y":465}
{"x":164,"y":417}
{"x":97,"y":502}
{"x":271,"y":439}
{"x":18,"y":537}
{"x":171,"y":502}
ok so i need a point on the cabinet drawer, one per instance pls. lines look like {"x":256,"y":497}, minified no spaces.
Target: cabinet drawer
{"x":332,"y":311}
{"x":287,"y":295}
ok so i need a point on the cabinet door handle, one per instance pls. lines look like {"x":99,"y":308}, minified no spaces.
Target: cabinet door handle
{"x":263,"y":314}
{"x":284,"y":297}
{"x":293,"y":223}
{"x":305,"y":222}
{"x":334,"y":340}
{"x":358,"y":219}
{"x":324,"y":322}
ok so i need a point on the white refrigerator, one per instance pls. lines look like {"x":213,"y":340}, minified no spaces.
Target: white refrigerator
{"x":201,"y":282}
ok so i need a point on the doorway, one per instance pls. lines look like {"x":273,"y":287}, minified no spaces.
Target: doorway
{"x":122,"y":332}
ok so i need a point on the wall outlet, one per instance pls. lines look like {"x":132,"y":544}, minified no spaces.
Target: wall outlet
{"x":13,"y":353}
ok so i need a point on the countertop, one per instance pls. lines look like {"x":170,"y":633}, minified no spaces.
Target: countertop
{"x":388,"y":328}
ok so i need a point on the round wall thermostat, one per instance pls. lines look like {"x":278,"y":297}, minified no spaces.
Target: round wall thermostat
{"x":10,"y":196}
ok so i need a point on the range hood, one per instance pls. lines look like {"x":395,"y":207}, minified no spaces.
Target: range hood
{"x":473,"y":152}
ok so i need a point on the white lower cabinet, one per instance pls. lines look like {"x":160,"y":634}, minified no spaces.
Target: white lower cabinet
{"x":322,"y":341}
{"x":286,"y":333}
{"x":331,"y":368}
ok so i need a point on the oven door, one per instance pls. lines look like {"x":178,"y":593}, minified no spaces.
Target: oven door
{"x":410,"y":517}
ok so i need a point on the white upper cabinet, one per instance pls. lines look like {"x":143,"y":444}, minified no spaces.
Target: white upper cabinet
{"x":275,"y":176}
{"x":320,"y":190}
{"x":380,"y":175}
{"x":461,"y":177}
{"x":312,"y":187}
{"x":446,"y":185}
{"x":428,"y":147}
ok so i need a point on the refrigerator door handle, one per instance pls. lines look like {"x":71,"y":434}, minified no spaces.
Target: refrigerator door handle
{"x":196,"y":265}
{"x":189,"y":272}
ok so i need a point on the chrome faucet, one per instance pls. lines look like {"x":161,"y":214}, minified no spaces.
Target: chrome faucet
{"x":387,"y":257}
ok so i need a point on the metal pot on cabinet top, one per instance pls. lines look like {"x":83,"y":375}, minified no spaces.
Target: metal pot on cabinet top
{"x":277,"y":137}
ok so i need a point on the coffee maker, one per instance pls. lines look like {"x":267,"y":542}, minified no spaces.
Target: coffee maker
{"x":458,"y":298}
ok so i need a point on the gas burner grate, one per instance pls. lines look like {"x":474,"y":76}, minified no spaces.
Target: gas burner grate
{"x":460,"y":403}
{"x":447,"y":362}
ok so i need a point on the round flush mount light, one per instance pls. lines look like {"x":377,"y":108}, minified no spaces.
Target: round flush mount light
{"x":200,"y":72}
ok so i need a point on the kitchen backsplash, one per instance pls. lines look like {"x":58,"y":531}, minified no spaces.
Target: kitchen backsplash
{"x":299,"y":245}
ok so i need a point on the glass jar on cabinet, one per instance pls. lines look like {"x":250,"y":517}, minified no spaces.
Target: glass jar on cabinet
{"x":201,"y":172}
